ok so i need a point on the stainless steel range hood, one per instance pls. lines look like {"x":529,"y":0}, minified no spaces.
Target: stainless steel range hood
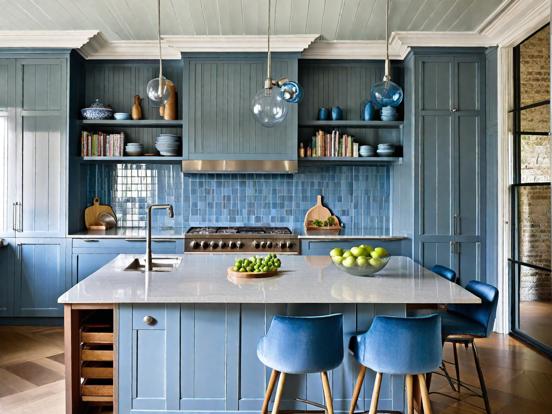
{"x":239,"y":166}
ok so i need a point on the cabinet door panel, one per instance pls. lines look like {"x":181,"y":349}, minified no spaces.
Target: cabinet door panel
{"x":433,"y":253}
{"x":436,"y":81}
{"x":468,"y":85}
{"x":469,"y":176}
{"x":42,"y":86}
{"x":436,"y":169}
{"x":40,"y":277}
{"x":470,"y":265}
{"x":86,"y":264}
{"x":7,"y":256}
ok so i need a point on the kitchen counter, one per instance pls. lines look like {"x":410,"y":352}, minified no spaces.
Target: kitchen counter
{"x":130,"y":233}
{"x":314,"y":279}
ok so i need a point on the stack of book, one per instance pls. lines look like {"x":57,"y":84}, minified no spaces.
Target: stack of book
{"x":333,"y":144}
{"x":102,"y":145}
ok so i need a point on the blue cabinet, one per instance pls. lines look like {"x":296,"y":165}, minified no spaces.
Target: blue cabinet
{"x":40,"y":276}
{"x":400,"y":247}
{"x":7,"y":258}
{"x":218,"y":121}
{"x":449,"y":150}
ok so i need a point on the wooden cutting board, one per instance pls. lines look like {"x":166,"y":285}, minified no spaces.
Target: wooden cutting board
{"x":319,"y":212}
{"x":251,"y":275}
{"x":91,"y":214}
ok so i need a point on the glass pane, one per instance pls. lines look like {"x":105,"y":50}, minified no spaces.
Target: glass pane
{"x":535,"y":159}
{"x":535,"y":67}
{"x":535,"y":304}
{"x":535,"y":119}
{"x":534,"y":225}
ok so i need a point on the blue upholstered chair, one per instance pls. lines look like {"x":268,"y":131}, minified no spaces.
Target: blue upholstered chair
{"x":301,"y":345}
{"x":398,"y":346}
{"x":462,"y":324}
{"x":446,"y":273}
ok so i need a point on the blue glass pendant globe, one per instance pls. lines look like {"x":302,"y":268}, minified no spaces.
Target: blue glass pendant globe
{"x":386,"y":93}
{"x":268,"y":107}
{"x":291,"y":92}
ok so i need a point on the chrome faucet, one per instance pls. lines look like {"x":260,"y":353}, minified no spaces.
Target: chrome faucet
{"x":170,"y":211}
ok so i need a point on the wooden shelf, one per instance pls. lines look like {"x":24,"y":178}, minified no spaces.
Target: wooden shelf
{"x":349,"y":160}
{"x":352,"y":124}
{"x":129,"y":159}
{"x":156,"y":123}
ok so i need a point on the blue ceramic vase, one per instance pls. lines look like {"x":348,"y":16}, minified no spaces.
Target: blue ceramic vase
{"x":368,"y":112}
{"x":337,"y":113}
{"x":323,"y":114}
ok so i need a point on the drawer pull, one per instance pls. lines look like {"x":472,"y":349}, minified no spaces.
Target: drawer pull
{"x":149,"y":320}
{"x":91,"y":241}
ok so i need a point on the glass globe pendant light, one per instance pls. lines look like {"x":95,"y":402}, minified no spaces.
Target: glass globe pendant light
{"x":270,"y":104}
{"x":387,"y":92}
{"x":157,"y":89}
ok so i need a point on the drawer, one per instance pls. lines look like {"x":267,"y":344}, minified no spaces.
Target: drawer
{"x":122,"y":246}
{"x":97,"y":387}
{"x":97,"y":353}
{"x":140,"y":314}
{"x":95,"y":370}
{"x":97,"y":333}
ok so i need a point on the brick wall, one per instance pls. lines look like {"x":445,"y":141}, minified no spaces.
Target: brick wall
{"x":534,"y":202}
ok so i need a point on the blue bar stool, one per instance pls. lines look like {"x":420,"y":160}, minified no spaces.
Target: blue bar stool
{"x":301,"y":345}
{"x":462,"y":324}
{"x":398,"y":346}
{"x":445,"y":272}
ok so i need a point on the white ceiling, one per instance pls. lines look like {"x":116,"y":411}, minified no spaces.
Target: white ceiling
{"x":333,"y":19}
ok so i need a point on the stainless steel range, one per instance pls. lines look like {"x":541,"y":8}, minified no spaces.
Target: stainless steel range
{"x":241,"y":239}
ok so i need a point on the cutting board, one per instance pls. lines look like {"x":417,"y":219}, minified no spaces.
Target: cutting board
{"x":319,"y":212}
{"x":250,"y":275}
{"x":92,"y":213}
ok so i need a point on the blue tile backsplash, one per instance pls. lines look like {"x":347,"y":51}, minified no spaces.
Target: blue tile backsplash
{"x":358,"y":195}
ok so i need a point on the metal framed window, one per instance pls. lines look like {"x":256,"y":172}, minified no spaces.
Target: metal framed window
{"x":531,"y":128}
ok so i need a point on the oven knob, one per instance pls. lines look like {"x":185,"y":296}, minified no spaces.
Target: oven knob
{"x":194,"y":244}
{"x":239,"y":244}
{"x":204,"y":244}
{"x":222,"y":244}
{"x":269,"y":244}
{"x":289,"y":245}
{"x":263,"y":245}
{"x":282,"y":245}
{"x":256,"y":244}
{"x":233,"y":245}
{"x":213,"y":245}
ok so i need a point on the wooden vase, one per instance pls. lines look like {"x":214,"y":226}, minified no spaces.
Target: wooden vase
{"x":168,"y":111}
{"x":137,"y":108}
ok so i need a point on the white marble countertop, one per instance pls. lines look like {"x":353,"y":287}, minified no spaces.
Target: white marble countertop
{"x":305,"y":279}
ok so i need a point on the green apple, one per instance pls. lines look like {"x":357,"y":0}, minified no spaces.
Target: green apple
{"x":336,"y":252}
{"x":381,"y":252}
{"x":337,"y":259}
{"x":362,"y":261}
{"x":347,"y":253}
{"x":357,"y":251}
{"x":376,"y":262}
{"x":349,"y":261}
{"x":369,"y":249}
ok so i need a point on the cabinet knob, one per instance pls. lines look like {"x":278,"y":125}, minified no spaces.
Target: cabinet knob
{"x":453,"y":109}
{"x":149,"y":320}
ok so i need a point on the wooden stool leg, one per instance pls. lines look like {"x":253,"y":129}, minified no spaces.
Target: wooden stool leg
{"x":279,"y":392}
{"x":327,"y":392}
{"x":269,"y":389}
{"x":358,"y":387}
{"x":375,"y":394}
{"x":410,"y":394}
{"x":425,"y":395}
{"x":456,"y":367}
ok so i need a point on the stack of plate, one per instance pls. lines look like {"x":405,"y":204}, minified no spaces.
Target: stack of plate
{"x":134,"y":149}
{"x":168,"y":145}
{"x":386,"y":150}
{"x":388,"y":113}
{"x":367,"y":151}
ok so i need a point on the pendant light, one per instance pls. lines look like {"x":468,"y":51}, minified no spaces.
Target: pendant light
{"x":157,"y":88}
{"x":270,"y":104}
{"x":387,"y":92}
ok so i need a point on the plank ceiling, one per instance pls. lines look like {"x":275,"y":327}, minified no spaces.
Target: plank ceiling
{"x":334,"y":19}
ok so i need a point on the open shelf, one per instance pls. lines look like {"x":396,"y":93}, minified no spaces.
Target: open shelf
{"x":141,"y":159}
{"x":132,"y":123}
{"x":349,"y":160}
{"x":352,"y":124}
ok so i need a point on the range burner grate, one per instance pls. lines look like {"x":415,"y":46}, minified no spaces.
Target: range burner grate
{"x":238,"y":230}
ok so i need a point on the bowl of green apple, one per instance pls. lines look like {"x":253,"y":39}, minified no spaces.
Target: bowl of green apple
{"x":360,"y":260}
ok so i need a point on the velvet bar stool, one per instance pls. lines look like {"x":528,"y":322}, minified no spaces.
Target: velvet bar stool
{"x":301,"y":345}
{"x":462,"y":324}
{"x":398,"y":346}
{"x":445,"y":273}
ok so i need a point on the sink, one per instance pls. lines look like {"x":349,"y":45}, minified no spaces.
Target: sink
{"x":160,"y":264}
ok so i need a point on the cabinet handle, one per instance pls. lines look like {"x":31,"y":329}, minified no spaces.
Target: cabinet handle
{"x":164,"y":241}
{"x":454,"y":224}
{"x":149,"y":320}
{"x":135,"y":240}
{"x":453,"y":109}
{"x":18,"y":251}
{"x":14,"y":216}
{"x":91,"y":241}
{"x":20,"y":217}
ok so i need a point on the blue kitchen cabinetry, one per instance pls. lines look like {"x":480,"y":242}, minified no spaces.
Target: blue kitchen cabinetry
{"x":448,"y":120}
{"x":400,"y":247}
{"x":88,"y":255}
{"x":202,"y":358}
{"x":217,"y":117}
{"x":7,"y":259}
{"x":40,"y":276}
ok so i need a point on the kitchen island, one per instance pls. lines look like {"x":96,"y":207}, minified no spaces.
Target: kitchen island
{"x":185,"y":339}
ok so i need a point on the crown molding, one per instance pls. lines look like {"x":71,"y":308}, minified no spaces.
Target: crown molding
{"x":58,"y":39}
{"x":353,"y":49}
{"x":440,"y":39}
{"x":100,"y":48}
{"x":515,"y":20}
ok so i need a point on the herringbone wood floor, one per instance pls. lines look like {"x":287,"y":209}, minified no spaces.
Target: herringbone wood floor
{"x":519,"y":379}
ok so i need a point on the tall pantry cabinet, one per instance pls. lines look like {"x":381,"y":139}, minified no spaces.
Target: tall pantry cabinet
{"x":33,"y":129}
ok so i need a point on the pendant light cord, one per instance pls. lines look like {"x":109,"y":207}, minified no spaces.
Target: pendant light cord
{"x":269,"y":59}
{"x":387,"y":76}
{"x":160,"y":91}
